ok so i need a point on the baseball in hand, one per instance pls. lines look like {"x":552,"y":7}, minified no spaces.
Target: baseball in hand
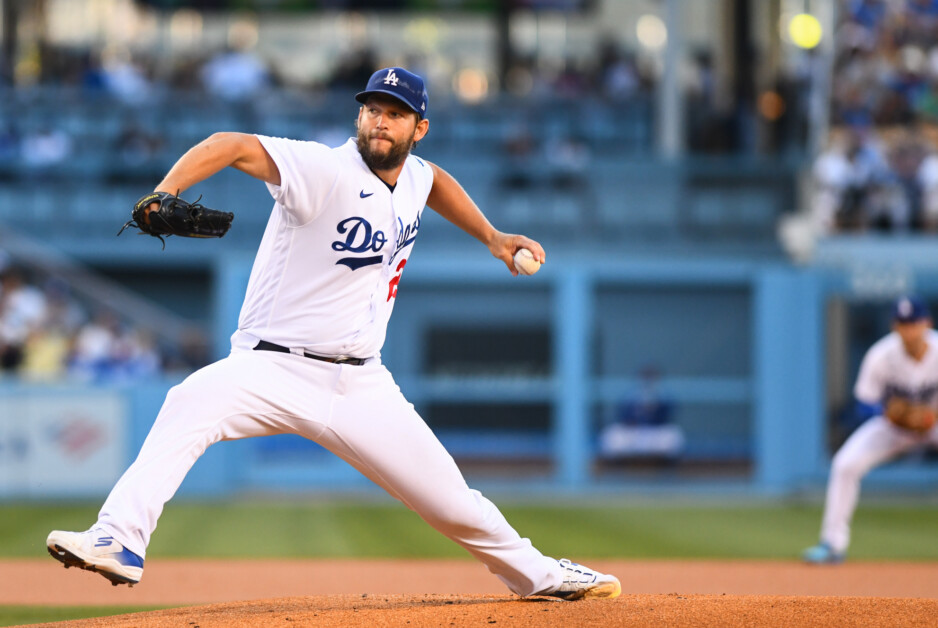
{"x":525,"y":262}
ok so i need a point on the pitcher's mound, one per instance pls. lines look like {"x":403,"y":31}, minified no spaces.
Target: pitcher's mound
{"x":500,"y":611}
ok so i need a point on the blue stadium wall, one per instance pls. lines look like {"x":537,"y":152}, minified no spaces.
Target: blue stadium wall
{"x":742,"y":346}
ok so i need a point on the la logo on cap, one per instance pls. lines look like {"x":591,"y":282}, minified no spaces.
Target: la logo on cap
{"x":391,"y":78}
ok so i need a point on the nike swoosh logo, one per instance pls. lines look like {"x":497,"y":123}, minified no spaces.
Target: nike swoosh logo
{"x":363,"y":195}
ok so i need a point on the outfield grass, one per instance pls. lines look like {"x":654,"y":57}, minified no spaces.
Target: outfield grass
{"x":18,"y":615}
{"x":308,"y":528}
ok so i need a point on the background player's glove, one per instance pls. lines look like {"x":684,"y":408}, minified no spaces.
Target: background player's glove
{"x":911,"y":416}
{"x":175,"y":216}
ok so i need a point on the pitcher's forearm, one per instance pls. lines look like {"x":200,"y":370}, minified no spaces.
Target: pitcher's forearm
{"x":215,"y":153}
{"x":206,"y":158}
{"x":450,"y":200}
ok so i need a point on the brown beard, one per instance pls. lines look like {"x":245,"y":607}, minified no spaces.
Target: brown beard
{"x":390,"y":160}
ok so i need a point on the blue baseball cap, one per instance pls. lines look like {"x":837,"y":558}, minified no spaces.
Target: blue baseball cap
{"x":401,"y":84}
{"x":910,"y":310}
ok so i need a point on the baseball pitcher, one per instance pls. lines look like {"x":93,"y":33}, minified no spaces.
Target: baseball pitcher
{"x":305,"y":358}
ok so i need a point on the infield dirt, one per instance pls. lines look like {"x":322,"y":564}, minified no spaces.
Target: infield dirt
{"x":462,"y":593}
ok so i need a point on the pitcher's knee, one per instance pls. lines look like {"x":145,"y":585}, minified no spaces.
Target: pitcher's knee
{"x":193,"y":396}
{"x":466,"y":518}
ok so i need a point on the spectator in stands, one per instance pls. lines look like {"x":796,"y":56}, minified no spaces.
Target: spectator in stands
{"x":236,"y":73}
{"x":849,"y":178}
{"x":47,"y":349}
{"x":124,"y":77}
{"x":45,"y":147}
{"x":618,"y":76}
{"x":133,"y":354}
{"x":108,"y":349}
{"x":853,"y":105}
{"x":62,"y":310}
{"x":45,"y":355}
{"x":904,"y":84}
{"x":93,"y":347}
{"x":905,"y":199}
{"x":22,"y":311}
{"x":927,"y":177}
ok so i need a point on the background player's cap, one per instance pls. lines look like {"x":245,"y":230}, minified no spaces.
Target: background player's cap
{"x":403,"y":85}
{"x":909,"y":310}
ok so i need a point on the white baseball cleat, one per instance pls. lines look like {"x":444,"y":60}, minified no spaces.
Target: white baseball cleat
{"x":581,"y":582}
{"x":96,"y":550}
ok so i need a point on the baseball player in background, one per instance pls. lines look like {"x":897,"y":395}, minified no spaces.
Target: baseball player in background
{"x":305,"y":358}
{"x":898,"y":388}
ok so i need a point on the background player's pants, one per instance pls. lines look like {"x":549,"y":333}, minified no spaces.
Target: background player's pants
{"x":356,"y":412}
{"x":872,"y":444}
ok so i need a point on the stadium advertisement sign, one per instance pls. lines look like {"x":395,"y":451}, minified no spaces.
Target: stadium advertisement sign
{"x":66,"y":444}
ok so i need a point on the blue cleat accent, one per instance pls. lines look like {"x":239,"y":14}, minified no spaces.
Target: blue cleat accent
{"x":822,"y":554}
{"x":96,"y":551}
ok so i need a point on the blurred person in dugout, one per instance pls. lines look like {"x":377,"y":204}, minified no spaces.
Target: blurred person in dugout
{"x":897,"y":388}
{"x":643,"y":427}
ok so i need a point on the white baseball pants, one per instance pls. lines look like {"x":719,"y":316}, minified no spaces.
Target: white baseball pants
{"x":356,"y":412}
{"x":872,"y":444}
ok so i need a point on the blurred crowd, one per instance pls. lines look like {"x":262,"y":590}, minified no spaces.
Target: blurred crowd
{"x":880,"y":180}
{"x":886,"y":63}
{"x":237,"y":86}
{"x":46,"y":333}
{"x":238,"y":73}
{"x":880,"y":169}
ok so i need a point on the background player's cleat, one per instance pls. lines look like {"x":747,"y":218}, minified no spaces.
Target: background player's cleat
{"x":822,"y":554}
{"x":581,"y":582}
{"x":95,"y":550}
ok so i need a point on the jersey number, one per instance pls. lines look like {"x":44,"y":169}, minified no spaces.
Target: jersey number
{"x":392,"y":285}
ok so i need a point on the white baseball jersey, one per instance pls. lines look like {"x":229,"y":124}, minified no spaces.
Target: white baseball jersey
{"x":888,"y":370}
{"x":326,"y":273}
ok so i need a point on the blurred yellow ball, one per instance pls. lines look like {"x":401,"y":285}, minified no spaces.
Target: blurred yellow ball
{"x":805,"y":30}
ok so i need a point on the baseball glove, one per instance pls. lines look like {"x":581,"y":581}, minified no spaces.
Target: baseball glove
{"x":175,"y":216}
{"x":911,"y":416}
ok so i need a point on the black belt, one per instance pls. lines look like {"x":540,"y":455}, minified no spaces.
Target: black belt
{"x":263,"y":345}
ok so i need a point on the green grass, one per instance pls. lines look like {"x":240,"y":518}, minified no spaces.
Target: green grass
{"x":18,"y":615}
{"x":317,"y":528}
{"x":310,"y":528}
